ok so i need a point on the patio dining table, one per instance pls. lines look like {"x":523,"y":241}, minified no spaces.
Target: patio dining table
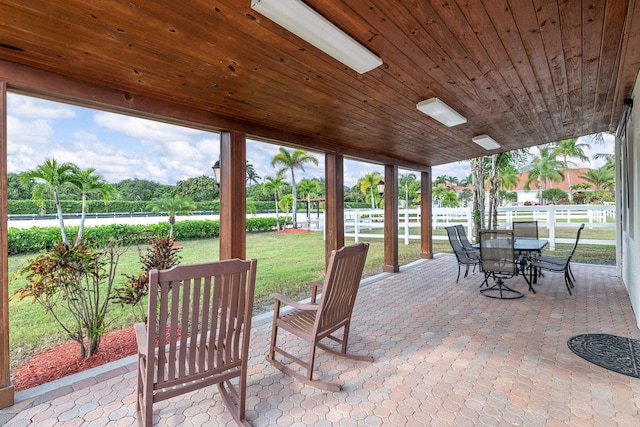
{"x":526,"y":246}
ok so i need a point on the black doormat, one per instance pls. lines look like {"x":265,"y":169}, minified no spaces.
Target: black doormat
{"x":618,"y":354}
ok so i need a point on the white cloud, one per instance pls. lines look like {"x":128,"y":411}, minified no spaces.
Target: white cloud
{"x":145,"y":130}
{"x":460,"y":170}
{"x":28,"y":132}
{"x":34,"y":108}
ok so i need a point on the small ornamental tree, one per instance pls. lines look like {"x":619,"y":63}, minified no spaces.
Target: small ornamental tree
{"x":161,"y":253}
{"x":172,"y":206}
{"x":78,"y":280}
{"x":554,"y":195}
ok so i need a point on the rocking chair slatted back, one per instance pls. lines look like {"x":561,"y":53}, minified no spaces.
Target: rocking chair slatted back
{"x":337,"y":301}
{"x":200,"y":321}
{"x":314,"y":322}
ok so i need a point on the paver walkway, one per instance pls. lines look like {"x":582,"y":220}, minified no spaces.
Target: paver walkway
{"x":444,"y":356}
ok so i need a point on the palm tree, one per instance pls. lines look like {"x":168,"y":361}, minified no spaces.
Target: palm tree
{"x":87,"y":182}
{"x":508,"y":178}
{"x":252,"y":175}
{"x":570,"y":148}
{"x":285,"y":204}
{"x":467,"y":181}
{"x":466,"y":196}
{"x":292,"y":160}
{"x":502,"y":174}
{"x":172,"y":206}
{"x":55,"y":177}
{"x":448,"y":181}
{"x":405,"y":183}
{"x":601,"y":179}
{"x":369,"y":183}
{"x":438,"y":193}
{"x":609,"y":158}
{"x":274,"y":185}
{"x":353,"y":194}
{"x":450,"y":199}
{"x":544,"y":168}
{"x":309,"y":188}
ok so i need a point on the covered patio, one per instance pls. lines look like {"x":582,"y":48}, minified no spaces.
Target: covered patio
{"x":443,"y":355}
{"x":523,"y":73}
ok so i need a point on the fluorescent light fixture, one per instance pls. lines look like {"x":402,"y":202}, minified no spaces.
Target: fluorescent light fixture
{"x":486,"y":142}
{"x":441,"y":112}
{"x":309,"y":25}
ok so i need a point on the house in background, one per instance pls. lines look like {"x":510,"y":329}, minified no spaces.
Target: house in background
{"x":533,"y":194}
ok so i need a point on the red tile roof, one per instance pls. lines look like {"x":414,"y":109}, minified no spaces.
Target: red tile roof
{"x":564,"y":185}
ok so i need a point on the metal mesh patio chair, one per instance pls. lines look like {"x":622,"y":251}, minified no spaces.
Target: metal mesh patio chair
{"x":498,"y":261}
{"x":462,"y":235}
{"x":462,"y":256}
{"x":525,"y":229}
{"x":557,"y":264}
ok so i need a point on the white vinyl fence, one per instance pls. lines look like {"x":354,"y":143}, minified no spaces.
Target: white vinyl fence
{"x":362,"y":223}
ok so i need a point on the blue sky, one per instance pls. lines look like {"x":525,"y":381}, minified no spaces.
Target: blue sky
{"x":122,"y":147}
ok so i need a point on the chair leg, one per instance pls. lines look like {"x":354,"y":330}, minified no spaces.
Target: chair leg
{"x":312,"y":357}
{"x":144,"y":395}
{"x":486,"y":280}
{"x":274,"y":331}
{"x":466,"y":272}
{"x":571,"y":272}
{"x":234,"y":398}
{"x":524,"y":274}
{"x":567,"y":281}
{"x":503,"y":291}
{"x":458,"y":278}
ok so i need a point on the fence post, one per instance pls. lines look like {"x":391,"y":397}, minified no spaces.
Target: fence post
{"x":551,"y":220}
{"x":406,"y":225}
{"x":470,"y":223}
{"x":356,"y":226}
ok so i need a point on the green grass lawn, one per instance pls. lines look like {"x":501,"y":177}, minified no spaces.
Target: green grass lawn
{"x":286,"y":264}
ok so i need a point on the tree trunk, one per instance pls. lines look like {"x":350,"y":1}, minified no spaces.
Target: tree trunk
{"x":65,"y":240}
{"x":93,"y":345}
{"x":275,"y":197}
{"x":82,"y":218}
{"x":294,"y":192}
{"x":477,"y":176}
{"x":493,"y":193}
{"x":172,"y":220}
{"x":566,"y":170}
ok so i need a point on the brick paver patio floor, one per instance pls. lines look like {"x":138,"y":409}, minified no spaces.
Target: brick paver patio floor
{"x":444,"y":356}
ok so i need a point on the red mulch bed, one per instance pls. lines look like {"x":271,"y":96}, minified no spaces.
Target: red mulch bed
{"x":64,"y":360}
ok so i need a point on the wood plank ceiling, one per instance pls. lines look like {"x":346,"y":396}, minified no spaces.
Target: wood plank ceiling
{"x":525,"y":72}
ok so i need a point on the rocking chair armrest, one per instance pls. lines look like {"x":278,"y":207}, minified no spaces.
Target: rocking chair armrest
{"x":141,"y":337}
{"x":315,"y":285}
{"x":292,"y":303}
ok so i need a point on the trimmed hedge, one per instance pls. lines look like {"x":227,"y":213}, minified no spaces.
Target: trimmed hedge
{"x":36,"y":239}
{"x":29,"y":207}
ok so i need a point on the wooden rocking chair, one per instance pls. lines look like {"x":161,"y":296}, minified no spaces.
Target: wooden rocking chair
{"x":200,"y":322}
{"x":314,"y":322}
